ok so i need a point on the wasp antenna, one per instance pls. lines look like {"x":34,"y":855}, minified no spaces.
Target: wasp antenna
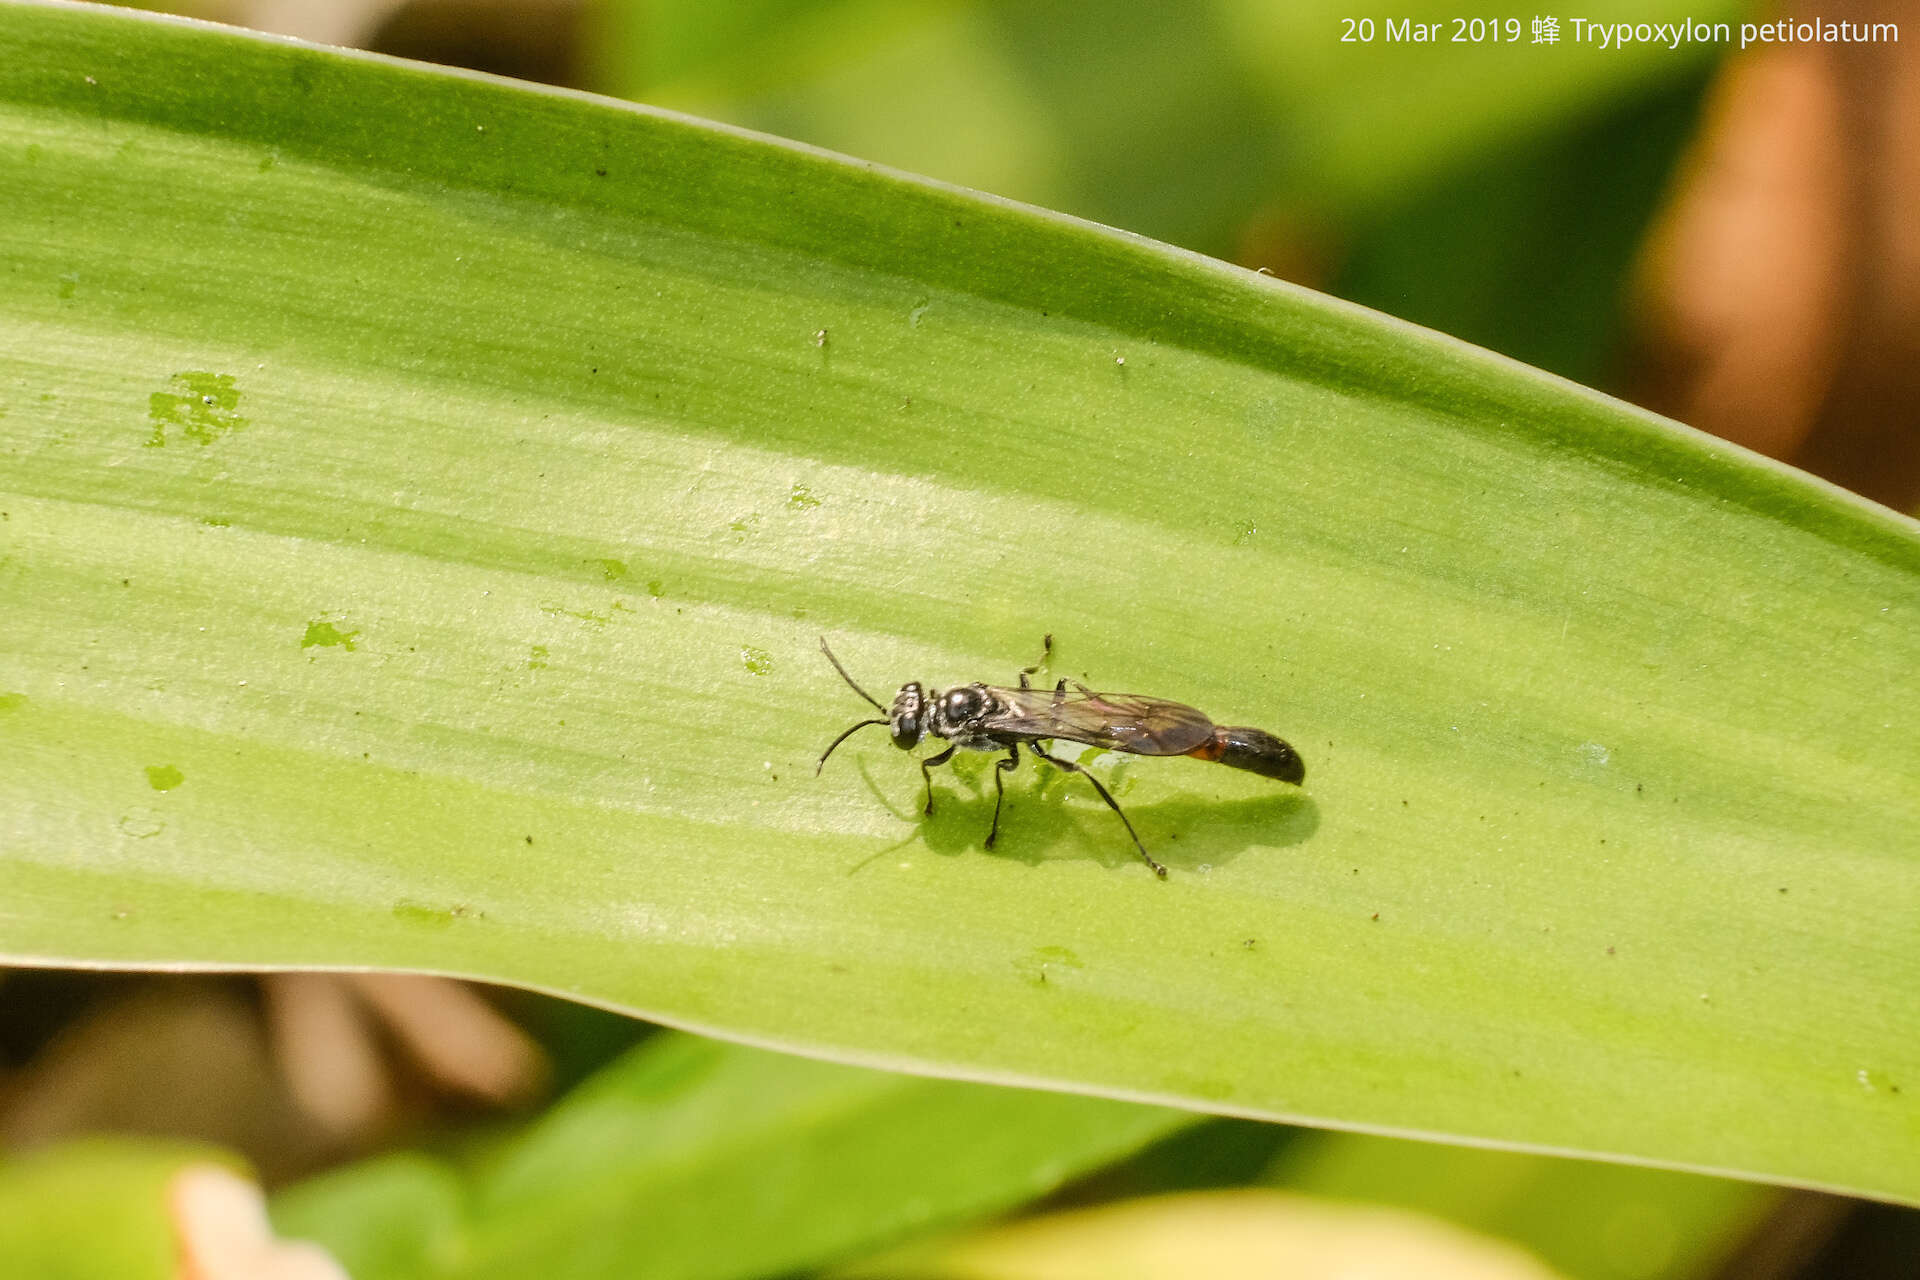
{"x":837,"y":741}
{"x":850,"y":684}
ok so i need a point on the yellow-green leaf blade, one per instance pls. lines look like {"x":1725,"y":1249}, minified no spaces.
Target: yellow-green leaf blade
{"x":423,"y":494}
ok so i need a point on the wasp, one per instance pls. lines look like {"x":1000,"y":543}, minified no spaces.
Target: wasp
{"x":986,"y":717}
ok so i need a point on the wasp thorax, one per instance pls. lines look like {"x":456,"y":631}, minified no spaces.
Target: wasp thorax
{"x":955,"y":713}
{"x":961,"y":705}
{"x":908,"y":719}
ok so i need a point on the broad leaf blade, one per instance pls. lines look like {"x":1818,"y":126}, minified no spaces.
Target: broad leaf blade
{"x":687,"y":1158}
{"x":423,"y":495}
{"x":95,"y":1207}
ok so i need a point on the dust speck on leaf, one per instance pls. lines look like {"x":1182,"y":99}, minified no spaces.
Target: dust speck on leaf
{"x":1035,"y":964}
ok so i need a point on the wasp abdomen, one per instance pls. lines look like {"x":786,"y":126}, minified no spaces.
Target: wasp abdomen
{"x":1254,"y":750}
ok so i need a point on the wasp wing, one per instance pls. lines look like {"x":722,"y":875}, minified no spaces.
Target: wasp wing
{"x":1118,"y":721}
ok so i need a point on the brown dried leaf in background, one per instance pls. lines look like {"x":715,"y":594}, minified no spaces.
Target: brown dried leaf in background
{"x":343,"y":1039}
{"x":462,"y":1043}
{"x":1779,"y":293}
{"x":1868,"y":433}
{"x":175,"y":1057}
{"x":1742,"y":275}
{"x":221,"y":1232}
{"x":325,"y":1065}
{"x":327,"y":1049}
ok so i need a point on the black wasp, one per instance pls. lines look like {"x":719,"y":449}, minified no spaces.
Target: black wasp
{"x":986,"y":717}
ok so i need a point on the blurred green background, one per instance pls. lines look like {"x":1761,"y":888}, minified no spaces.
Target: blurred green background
{"x":1496,"y":191}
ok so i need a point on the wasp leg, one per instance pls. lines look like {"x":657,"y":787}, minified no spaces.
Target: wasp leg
{"x":1046,"y":656}
{"x":1059,"y":689}
{"x":1000,"y":770}
{"x":927,"y":764}
{"x":1071,"y":767}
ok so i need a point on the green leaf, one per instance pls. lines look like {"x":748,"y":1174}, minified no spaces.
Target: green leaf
{"x":92,"y":1208}
{"x":1586,"y":1219}
{"x":1177,"y":120}
{"x":394,"y":1216}
{"x":1589,"y":1221}
{"x":1530,"y":251}
{"x":688,"y":1158}
{"x":448,"y":480}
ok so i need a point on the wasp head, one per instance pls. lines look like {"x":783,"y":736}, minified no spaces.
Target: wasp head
{"x":908,"y":719}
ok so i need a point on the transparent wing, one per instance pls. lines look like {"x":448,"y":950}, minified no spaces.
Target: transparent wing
{"x":1119,"y":721}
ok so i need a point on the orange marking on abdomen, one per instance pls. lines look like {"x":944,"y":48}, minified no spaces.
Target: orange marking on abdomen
{"x":1212,"y":749}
